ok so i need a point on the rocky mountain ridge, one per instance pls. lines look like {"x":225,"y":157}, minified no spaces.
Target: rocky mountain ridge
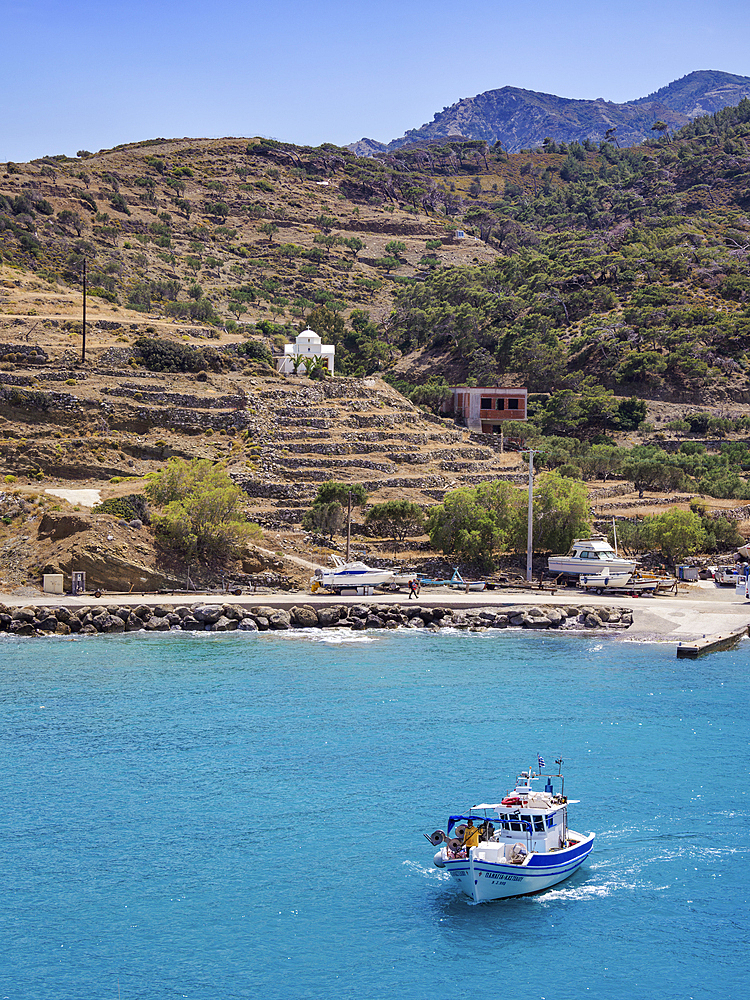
{"x":522,"y":119}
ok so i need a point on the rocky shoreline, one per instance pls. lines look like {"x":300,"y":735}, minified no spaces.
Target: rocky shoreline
{"x":202,"y":617}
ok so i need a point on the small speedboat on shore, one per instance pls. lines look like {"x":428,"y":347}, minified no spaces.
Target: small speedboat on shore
{"x":351,"y":575}
{"x":591,"y":556}
{"x":518,"y":846}
{"x":456,"y":582}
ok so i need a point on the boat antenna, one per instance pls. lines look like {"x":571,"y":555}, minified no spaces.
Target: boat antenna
{"x":560,"y":763}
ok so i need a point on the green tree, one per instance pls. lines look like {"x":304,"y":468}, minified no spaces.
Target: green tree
{"x":463,"y":526}
{"x":328,"y":241}
{"x":331,"y":490}
{"x":676,"y":533}
{"x":354,"y":243}
{"x":396,"y":519}
{"x":326,"y":518}
{"x":561,"y":512}
{"x":327,"y":513}
{"x":269,"y":229}
{"x":631,"y":413}
{"x":654,"y":474}
{"x":219,"y":209}
{"x":395,"y":248}
{"x":203,"y":511}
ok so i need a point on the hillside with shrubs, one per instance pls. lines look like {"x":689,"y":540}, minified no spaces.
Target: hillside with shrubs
{"x":612,"y":282}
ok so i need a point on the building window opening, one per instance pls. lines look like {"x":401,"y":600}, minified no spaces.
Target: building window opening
{"x":486,"y":403}
{"x":499,"y":404}
{"x":512,"y":404}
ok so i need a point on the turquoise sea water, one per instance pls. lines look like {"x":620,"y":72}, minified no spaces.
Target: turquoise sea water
{"x":221,"y":816}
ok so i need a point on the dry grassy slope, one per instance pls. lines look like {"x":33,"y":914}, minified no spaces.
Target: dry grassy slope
{"x":256,"y":191}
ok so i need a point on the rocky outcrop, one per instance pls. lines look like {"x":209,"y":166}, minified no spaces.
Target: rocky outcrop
{"x":36,"y":621}
{"x":521,"y":119}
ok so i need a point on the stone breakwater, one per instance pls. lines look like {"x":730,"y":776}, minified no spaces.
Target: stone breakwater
{"x":35,"y":621}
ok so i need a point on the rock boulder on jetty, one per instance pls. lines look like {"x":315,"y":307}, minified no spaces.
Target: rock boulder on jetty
{"x":38,"y":621}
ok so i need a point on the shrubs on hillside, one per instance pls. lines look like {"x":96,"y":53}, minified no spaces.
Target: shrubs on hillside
{"x":476,"y":523}
{"x":168,"y":356}
{"x":203,"y":514}
{"x":128,"y":508}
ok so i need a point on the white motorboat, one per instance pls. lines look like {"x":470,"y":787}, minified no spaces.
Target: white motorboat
{"x":605,"y":579}
{"x":632,"y":583}
{"x":352,"y":574}
{"x":590,"y":556}
{"x":523,"y":843}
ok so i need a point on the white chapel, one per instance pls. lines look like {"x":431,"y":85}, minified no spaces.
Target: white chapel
{"x":308,"y":345}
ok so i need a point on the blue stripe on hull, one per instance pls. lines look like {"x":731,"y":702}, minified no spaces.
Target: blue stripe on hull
{"x":485,"y":880}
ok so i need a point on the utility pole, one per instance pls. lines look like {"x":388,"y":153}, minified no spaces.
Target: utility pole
{"x":83,"y":344}
{"x":349,"y":526}
{"x":530,"y":526}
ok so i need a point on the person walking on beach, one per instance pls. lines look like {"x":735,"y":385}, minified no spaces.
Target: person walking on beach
{"x":413,"y":589}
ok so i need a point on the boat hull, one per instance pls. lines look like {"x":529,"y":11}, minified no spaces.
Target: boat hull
{"x":484,"y":880}
{"x":588,"y":567}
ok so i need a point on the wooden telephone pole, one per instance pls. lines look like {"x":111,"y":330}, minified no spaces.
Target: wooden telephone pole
{"x":83,"y":343}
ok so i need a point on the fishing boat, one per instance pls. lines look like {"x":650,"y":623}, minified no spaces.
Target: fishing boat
{"x":630,"y":583}
{"x":605,"y":580}
{"x":590,"y":556}
{"x":456,"y":582}
{"x":354,"y":575}
{"x":523,"y":843}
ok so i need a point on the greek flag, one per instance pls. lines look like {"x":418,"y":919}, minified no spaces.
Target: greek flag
{"x":541,"y":762}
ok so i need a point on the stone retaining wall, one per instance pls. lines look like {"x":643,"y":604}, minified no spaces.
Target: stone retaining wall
{"x":35,"y":621}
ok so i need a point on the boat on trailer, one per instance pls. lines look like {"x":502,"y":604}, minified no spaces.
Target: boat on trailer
{"x":350,"y":575}
{"x":590,"y":556}
{"x":524,"y":842}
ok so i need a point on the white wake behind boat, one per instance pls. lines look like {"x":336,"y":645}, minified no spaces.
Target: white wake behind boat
{"x":591,"y":556}
{"x":523,"y":844}
{"x":351,"y":574}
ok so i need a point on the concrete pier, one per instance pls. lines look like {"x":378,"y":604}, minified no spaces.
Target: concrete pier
{"x":710,"y":644}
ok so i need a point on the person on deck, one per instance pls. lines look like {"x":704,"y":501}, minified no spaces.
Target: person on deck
{"x":471,"y":835}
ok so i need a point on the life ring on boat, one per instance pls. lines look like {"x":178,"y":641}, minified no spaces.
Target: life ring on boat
{"x":512,"y":800}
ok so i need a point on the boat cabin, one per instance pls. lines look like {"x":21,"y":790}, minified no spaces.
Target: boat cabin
{"x":535,"y":821}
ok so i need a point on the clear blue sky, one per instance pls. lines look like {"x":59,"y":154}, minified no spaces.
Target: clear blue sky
{"x":82,"y":75}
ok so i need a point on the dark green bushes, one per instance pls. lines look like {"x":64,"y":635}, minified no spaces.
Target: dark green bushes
{"x":255,"y":350}
{"x":127,"y":508}
{"x":167,"y":356}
